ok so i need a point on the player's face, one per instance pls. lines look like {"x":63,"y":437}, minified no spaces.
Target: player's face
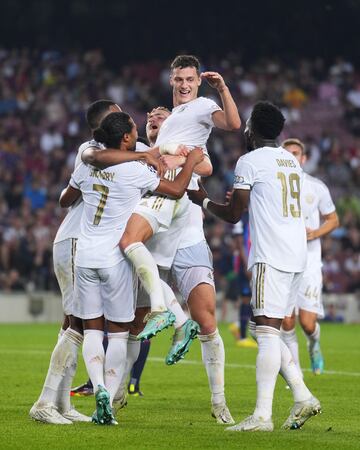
{"x":132,"y":136}
{"x":155,"y":118}
{"x":296,"y":150}
{"x":185,"y":83}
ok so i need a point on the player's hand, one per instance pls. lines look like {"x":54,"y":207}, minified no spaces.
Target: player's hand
{"x":196,"y":156}
{"x":310,"y":234}
{"x":172,"y":162}
{"x":214,"y":79}
{"x":198,"y":196}
{"x":182,"y":150}
{"x":156,"y":163}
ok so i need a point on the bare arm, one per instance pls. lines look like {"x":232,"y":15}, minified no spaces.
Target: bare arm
{"x":229,"y":118}
{"x":331,"y":221}
{"x":229,"y":212}
{"x":101,"y":159}
{"x":68,"y":196}
{"x":177,"y":188}
{"x":204,"y":169}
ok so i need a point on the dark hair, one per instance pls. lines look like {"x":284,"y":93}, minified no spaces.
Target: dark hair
{"x":183,"y":61}
{"x":112,"y":129}
{"x":267,"y":121}
{"x":95,"y":112}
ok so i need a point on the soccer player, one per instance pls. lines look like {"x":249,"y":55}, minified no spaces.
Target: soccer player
{"x":103,"y":277}
{"x":268,"y":182}
{"x":53,"y":406}
{"x":316,"y":202}
{"x":190,"y":124}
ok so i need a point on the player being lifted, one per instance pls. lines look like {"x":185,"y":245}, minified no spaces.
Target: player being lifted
{"x":104,"y":288}
{"x":315,"y":202}
{"x":190,"y":124}
{"x":268,"y":181}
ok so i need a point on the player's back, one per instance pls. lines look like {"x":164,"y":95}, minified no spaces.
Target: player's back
{"x":110,"y":197}
{"x":276,"y":224}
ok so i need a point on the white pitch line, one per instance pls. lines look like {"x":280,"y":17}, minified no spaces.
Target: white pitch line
{"x":251,"y":366}
{"x":185,"y":361}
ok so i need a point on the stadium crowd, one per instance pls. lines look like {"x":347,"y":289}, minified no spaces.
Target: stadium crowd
{"x":43,"y":96}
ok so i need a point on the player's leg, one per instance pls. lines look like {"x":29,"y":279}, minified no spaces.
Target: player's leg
{"x":245,"y":313}
{"x":53,"y":405}
{"x":311,"y":327}
{"x":288,"y":335}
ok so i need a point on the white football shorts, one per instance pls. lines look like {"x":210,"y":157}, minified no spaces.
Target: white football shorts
{"x":158,"y":210}
{"x":63,"y":259}
{"x":191,"y":267}
{"x":108,"y":292}
{"x":309,"y":294}
{"x":272,"y":291}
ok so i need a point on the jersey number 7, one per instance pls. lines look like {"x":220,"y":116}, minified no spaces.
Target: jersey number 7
{"x":104,"y":191}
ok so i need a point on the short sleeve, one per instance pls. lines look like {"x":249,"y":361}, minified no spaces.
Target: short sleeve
{"x":238,"y":228}
{"x":244,"y":175}
{"x":77,"y":176}
{"x":326,"y":205}
{"x":210,"y":107}
{"x":147,"y":178}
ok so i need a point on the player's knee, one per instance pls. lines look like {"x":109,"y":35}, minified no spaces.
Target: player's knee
{"x":308,"y":327}
{"x":288,"y":324}
{"x":125,"y":241}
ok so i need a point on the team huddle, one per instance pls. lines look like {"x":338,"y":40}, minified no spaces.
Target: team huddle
{"x":135,"y":217}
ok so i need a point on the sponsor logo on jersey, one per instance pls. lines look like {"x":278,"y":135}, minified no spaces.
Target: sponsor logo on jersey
{"x":239,"y":179}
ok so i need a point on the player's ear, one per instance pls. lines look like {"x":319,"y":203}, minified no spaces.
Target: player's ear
{"x":199,"y":80}
{"x":171,"y":81}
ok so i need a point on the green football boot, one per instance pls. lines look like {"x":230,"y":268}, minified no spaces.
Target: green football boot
{"x":316,"y":358}
{"x":103,"y":414}
{"x":182,"y":340}
{"x":301,"y":412}
{"x":156,"y":322}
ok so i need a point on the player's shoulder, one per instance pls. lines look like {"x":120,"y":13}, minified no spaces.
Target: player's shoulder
{"x":88,"y":144}
{"x":207,"y":102}
{"x":315,"y":182}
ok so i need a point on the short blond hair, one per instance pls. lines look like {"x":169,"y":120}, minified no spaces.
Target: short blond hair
{"x":294,"y":141}
{"x":160,"y":108}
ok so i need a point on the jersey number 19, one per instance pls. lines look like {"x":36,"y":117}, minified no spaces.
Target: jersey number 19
{"x":293,"y":181}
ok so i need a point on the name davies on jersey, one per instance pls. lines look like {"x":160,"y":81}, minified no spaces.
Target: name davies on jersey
{"x":285,"y":163}
{"x":108,"y":176}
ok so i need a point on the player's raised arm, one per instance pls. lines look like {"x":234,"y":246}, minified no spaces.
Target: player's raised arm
{"x":230,"y":212}
{"x":229,"y":118}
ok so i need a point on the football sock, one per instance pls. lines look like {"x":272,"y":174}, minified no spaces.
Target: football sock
{"x":138,"y":367}
{"x":61,"y":332}
{"x":268,"y":363}
{"x":290,"y":339}
{"x":115,"y":362}
{"x":314,"y":337}
{"x":252,"y":330}
{"x":213,"y":356}
{"x":61,"y":360}
{"x":292,"y":375}
{"x":148,"y":273}
{"x":245,"y":314}
{"x":133,"y":349}
{"x":94,"y":356}
{"x":72,"y":340}
{"x":173,"y":305}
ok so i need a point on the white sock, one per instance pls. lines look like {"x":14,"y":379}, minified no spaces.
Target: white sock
{"x":268,"y":364}
{"x":292,"y":376}
{"x":314,"y":337}
{"x":62,"y":361}
{"x":213,"y":356}
{"x":173,"y":305}
{"x":94,"y":356}
{"x":115,"y":362}
{"x":148,"y":273}
{"x":252,"y":330}
{"x":290,"y":339}
{"x":61,"y":332}
{"x":73,"y":341}
{"x":133,"y":350}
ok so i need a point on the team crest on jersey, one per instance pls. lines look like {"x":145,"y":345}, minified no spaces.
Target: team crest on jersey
{"x":309,"y":198}
{"x":182,"y":108}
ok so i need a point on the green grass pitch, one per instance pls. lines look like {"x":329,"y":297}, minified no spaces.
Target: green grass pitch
{"x":175,"y":411}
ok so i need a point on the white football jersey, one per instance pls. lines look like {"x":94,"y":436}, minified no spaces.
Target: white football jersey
{"x":277,"y":228}
{"x":110,"y":196}
{"x":315,"y":201}
{"x":189,"y":124}
{"x":70,"y":226}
